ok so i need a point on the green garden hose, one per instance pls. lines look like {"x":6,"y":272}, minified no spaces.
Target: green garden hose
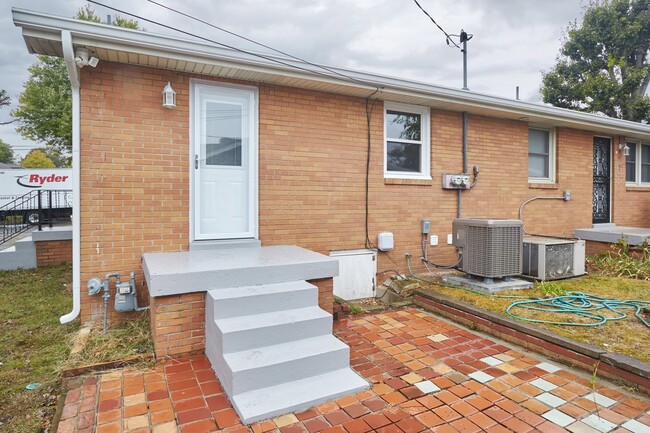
{"x":583,"y":305}
{"x":573,"y":303}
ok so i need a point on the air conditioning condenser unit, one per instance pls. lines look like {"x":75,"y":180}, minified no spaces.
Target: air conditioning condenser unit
{"x":547,"y":258}
{"x":490,"y":248}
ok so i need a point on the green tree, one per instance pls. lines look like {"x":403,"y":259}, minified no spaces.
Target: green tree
{"x":6,"y":153}
{"x":58,"y":159}
{"x":603,"y":63}
{"x":5,"y":101}
{"x":87,"y":13}
{"x":4,"y":98}
{"x":45,"y":105}
{"x":37,"y":159}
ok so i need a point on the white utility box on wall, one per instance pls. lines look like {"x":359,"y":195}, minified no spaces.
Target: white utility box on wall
{"x":385,"y":241}
{"x":357,"y":270}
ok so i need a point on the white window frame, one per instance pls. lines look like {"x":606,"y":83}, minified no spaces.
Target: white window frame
{"x":637,"y":164}
{"x":551,"y":156}
{"x":425,"y":141}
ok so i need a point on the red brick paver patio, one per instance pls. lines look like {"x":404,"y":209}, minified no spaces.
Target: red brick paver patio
{"x":426,"y":374}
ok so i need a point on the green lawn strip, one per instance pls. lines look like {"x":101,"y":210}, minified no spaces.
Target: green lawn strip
{"x":33,"y":344}
{"x":627,"y":336}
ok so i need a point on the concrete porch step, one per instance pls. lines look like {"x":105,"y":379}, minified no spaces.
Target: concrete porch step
{"x":252,"y":331}
{"x":199,"y":271}
{"x":286,"y":362}
{"x":21,"y":255}
{"x":297,"y":395}
{"x":244,"y":301}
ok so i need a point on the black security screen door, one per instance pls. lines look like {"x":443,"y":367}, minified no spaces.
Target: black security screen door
{"x":602,"y":171}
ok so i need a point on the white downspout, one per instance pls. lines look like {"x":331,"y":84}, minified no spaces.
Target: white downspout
{"x":73,"y":74}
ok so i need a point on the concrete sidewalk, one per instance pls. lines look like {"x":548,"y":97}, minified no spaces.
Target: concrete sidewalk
{"x":426,"y":374}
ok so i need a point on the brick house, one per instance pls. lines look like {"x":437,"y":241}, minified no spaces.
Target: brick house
{"x":266,"y":152}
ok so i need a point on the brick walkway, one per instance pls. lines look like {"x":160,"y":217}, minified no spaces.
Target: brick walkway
{"x":426,"y":374}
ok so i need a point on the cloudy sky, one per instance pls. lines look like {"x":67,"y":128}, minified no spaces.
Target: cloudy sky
{"x":514,"y":40}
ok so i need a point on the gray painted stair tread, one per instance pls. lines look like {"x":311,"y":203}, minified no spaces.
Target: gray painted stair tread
{"x":284,"y":352}
{"x":300,"y":394}
{"x":242,"y":323}
{"x":262,"y":289}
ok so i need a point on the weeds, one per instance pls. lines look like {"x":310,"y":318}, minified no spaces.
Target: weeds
{"x":122,"y":340}
{"x":551,"y":289}
{"x":622,"y":261}
{"x":593,"y":382}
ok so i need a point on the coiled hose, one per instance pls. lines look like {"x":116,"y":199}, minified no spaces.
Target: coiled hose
{"x":580,"y":304}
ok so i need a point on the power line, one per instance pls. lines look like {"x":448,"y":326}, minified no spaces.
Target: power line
{"x":447,"y":35}
{"x":262,"y":56}
{"x":250,"y":40}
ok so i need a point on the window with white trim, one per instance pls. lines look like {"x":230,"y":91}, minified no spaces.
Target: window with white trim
{"x":541,"y":155}
{"x":406,"y":141}
{"x":637,"y":164}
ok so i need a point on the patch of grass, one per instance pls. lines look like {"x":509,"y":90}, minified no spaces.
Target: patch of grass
{"x":552,"y":289}
{"x":627,"y":336}
{"x":33,"y":344}
{"x":122,"y":340}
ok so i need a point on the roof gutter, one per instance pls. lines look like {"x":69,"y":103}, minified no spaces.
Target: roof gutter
{"x":73,"y":74}
{"x":47,"y":27}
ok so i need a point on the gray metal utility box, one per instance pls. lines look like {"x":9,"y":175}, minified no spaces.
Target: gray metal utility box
{"x":490,"y":248}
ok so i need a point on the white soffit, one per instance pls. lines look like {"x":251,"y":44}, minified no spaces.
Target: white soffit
{"x":42,"y":35}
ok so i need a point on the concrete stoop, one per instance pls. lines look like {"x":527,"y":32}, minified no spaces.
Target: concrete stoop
{"x":273,"y":350}
{"x":21,"y":255}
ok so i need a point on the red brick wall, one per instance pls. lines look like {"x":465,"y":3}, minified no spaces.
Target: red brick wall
{"x":178,"y":324}
{"x":631,"y":203}
{"x":312,"y":159}
{"x":134,"y":173}
{"x":53,"y":252}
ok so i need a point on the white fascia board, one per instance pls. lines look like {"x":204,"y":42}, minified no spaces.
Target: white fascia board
{"x":36,"y":24}
{"x":110,"y":37}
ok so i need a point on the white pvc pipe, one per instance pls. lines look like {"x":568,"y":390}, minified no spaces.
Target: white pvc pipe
{"x":68,"y":55}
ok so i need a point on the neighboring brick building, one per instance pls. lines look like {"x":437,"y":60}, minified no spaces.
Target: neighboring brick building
{"x":301,"y":140}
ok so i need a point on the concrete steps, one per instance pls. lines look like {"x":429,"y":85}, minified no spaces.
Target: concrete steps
{"x":273,"y":350}
{"x":297,"y":395}
{"x":240,"y":333}
{"x":21,"y":255}
{"x":234,"y":302}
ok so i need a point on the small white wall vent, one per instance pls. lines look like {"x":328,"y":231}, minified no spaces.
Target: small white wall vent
{"x":385,"y":241}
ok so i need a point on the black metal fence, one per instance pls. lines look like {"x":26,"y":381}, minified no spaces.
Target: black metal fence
{"x":34,"y":208}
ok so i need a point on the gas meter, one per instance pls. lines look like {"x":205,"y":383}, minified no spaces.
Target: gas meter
{"x":125,"y":296}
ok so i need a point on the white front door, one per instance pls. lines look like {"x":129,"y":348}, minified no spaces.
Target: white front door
{"x":225,"y":162}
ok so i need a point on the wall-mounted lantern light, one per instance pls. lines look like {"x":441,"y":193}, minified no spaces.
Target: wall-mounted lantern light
{"x":169,"y":96}
{"x":625,"y":148}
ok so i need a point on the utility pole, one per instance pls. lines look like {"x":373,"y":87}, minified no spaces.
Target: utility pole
{"x":464,"y":37}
